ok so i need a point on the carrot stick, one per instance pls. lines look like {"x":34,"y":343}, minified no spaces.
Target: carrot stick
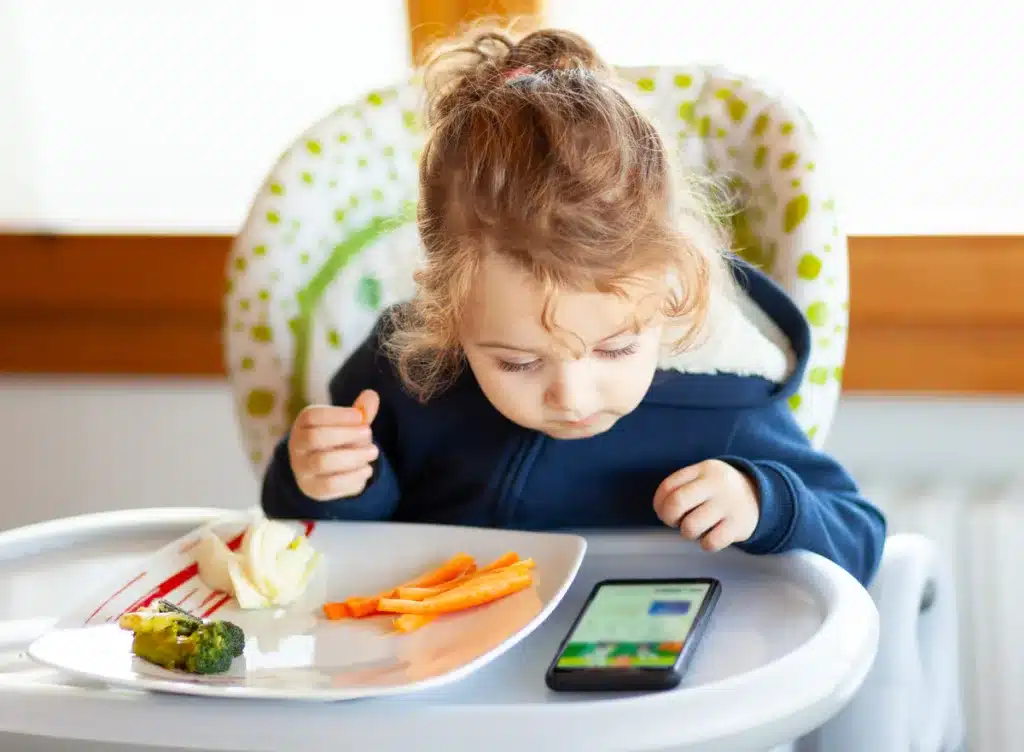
{"x":337,"y":611}
{"x":502,"y":561}
{"x":456,"y":566}
{"x":476,"y":592}
{"x":411,"y":622}
{"x":519,"y":564}
{"x":420,"y":593}
{"x":360,"y":607}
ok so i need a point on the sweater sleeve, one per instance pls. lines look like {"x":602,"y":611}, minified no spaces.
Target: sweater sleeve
{"x":808,"y":501}
{"x":281,"y":498}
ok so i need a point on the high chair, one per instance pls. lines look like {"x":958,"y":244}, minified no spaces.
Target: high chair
{"x":330,"y":242}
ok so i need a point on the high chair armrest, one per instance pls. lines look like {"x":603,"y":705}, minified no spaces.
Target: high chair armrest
{"x":911,"y":697}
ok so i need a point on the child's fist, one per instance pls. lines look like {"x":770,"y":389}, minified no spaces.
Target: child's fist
{"x":711,"y":501}
{"x":331,"y":448}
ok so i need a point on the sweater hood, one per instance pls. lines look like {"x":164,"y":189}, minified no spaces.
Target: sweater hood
{"x":754,"y":350}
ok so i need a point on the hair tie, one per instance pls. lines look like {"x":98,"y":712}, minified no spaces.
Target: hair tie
{"x":522,"y":70}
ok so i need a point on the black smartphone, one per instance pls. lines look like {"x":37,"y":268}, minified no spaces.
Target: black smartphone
{"x":634,"y":635}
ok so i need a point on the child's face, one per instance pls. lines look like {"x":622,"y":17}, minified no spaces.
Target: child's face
{"x":573,"y":382}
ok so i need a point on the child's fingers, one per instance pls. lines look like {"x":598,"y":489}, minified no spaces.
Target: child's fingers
{"x":673,"y":507}
{"x":368,"y":403}
{"x":674,"y":481}
{"x":334,"y":461}
{"x":700,"y":520}
{"x":306,"y":439}
{"x":342,"y":485}
{"x":328,"y":415}
{"x":720,"y":536}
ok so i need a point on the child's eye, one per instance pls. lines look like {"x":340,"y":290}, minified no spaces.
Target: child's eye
{"x":620,"y":352}
{"x":505,"y":365}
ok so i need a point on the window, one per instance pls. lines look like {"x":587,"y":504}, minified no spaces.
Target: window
{"x":919,"y":104}
{"x":165,"y":117}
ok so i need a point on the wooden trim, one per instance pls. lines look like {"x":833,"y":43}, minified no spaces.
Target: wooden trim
{"x":431,"y":20}
{"x":942,"y":359}
{"x":75,"y":304}
{"x":935,"y":315}
{"x":929,"y":314}
{"x":921,"y":280}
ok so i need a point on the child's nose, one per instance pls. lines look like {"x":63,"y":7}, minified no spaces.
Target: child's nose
{"x":573,"y":393}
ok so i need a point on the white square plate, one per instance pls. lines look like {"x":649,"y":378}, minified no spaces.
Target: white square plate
{"x":295,"y":653}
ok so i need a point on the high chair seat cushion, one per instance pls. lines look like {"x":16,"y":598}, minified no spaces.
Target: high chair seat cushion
{"x":329,"y":241}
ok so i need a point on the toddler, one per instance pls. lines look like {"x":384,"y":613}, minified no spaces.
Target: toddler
{"x":582,"y":350}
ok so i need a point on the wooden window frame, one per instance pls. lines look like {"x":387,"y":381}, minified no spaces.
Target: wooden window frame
{"x":931,"y":315}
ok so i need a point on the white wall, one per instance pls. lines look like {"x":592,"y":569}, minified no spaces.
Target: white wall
{"x":919,"y":103}
{"x":165,"y":116}
{"x":77,"y":446}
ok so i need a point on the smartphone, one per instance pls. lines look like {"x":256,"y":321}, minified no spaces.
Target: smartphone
{"x":634,"y":635}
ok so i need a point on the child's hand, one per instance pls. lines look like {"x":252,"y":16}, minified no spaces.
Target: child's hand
{"x":711,"y":501}
{"x":331,"y":448}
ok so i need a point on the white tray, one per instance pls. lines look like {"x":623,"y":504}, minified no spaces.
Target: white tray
{"x":791,"y":641}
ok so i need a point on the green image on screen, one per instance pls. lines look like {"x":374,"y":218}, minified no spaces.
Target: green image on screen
{"x":634,"y":626}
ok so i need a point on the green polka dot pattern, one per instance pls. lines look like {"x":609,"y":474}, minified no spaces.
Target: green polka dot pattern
{"x":329,"y":240}
{"x":762,"y":145}
{"x":301,"y":293}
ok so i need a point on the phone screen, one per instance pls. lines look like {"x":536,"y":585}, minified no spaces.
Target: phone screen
{"x":634,"y":626}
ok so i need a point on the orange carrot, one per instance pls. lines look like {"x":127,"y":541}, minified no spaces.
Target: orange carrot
{"x":411,"y":622}
{"x":476,"y":592}
{"x":421,"y":593}
{"x":456,"y":566}
{"x":360,"y":607}
{"x":336,"y":611}
{"x":502,"y":561}
{"x":519,"y":564}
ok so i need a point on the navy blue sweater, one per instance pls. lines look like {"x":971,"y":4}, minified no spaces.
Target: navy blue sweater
{"x":457,"y":460}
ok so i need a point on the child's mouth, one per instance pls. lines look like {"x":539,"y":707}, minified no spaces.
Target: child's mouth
{"x":588,"y":422}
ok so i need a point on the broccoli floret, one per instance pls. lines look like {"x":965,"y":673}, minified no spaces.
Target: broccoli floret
{"x":210,"y":651}
{"x":184,"y":642}
{"x":161,"y":647}
{"x":233,"y":636}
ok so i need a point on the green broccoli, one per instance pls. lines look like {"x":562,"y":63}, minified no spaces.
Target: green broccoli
{"x":161,"y":646}
{"x":209,"y":651}
{"x":233,"y":636}
{"x":233,"y":633}
{"x":181,"y":641}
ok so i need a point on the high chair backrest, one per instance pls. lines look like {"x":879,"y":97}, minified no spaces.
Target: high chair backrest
{"x":330,"y":242}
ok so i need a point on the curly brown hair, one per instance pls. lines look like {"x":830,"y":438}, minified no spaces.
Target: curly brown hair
{"x":534,"y":152}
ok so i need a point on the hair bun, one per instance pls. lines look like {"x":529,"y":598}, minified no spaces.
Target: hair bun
{"x":555,"y":49}
{"x":461,"y":73}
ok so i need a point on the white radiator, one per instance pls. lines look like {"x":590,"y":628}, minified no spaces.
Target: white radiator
{"x":980,"y":527}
